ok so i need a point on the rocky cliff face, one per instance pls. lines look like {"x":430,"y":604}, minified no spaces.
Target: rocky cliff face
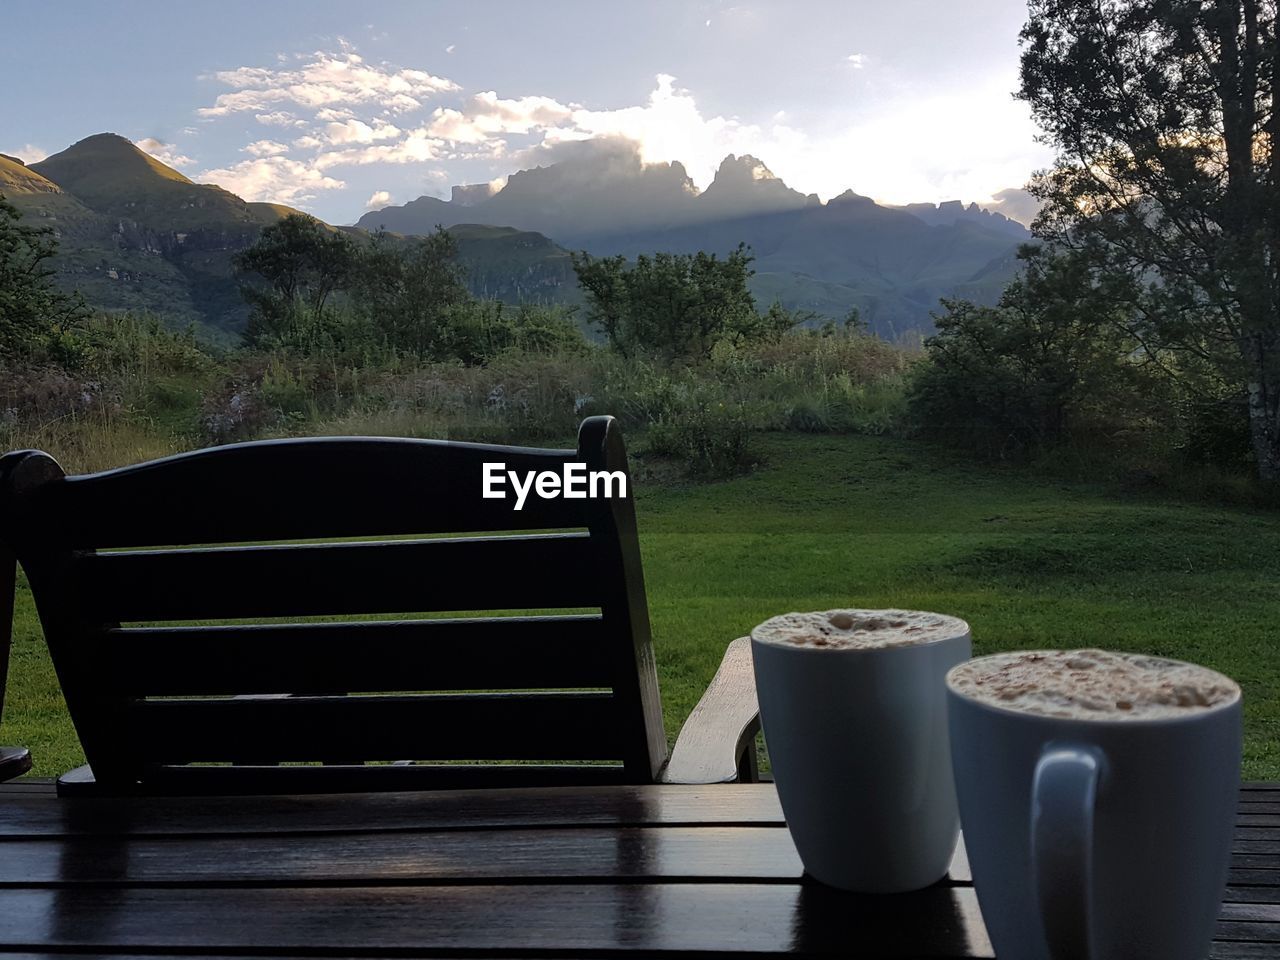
{"x":745,"y":187}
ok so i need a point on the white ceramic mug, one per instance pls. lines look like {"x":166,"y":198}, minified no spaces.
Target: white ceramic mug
{"x":1095,"y":839}
{"x":858,"y":742}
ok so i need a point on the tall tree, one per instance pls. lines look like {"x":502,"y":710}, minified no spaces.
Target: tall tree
{"x":303,"y":263}
{"x":1165,"y":119}
{"x":32,"y":311}
{"x":410,"y":290}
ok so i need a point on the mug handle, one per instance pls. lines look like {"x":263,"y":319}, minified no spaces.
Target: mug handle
{"x":1062,"y":805}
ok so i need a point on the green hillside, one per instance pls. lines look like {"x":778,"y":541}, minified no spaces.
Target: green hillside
{"x":17,"y":179}
{"x":515,"y":266}
{"x":137,"y":235}
{"x":113,"y":177}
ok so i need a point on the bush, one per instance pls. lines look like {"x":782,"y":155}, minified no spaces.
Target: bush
{"x":713,"y":441}
{"x":808,"y":416}
{"x":1051,"y":362}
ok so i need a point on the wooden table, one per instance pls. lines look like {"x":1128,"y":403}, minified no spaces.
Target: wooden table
{"x":555,"y":872}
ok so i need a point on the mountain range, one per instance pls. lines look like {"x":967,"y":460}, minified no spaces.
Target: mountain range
{"x":135,"y":234}
{"x":892,"y":263}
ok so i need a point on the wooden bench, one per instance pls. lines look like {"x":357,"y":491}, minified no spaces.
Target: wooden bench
{"x":203,"y":649}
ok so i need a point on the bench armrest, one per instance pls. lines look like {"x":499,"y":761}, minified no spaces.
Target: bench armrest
{"x":14,"y":762}
{"x":718,"y":742}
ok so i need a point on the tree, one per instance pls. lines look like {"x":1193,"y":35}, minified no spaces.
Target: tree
{"x":304,"y":263}
{"x":1050,"y":360}
{"x":1165,"y":117}
{"x":676,"y":305}
{"x":32,"y":312}
{"x":410,"y":290}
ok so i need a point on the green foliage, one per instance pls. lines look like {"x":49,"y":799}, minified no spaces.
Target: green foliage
{"x":303,"y":263}
{"x":34,"y":316}
{"x":711,"y":440}
{"x":677,"y":306}
{"x":408,"y":291}
{"x":1049,"y":361}
{"x":1164,"y":115}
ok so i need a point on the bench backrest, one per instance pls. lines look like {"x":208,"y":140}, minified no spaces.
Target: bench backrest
{"x":198,"y":652}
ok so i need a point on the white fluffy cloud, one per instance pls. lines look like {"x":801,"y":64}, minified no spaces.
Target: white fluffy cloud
{"x":273,"y":179}
{"x":357,"y":131}
{"x":266,"y":148}
{"x":166,"y":153}
{"x":334,"y":114}
{"x":379,"y":199}
{"x":486,"y":115}
{"x":325,"y":81}
{"x":418,"y":146}
{"x":279,"y":118}
{"x":669,"y":126}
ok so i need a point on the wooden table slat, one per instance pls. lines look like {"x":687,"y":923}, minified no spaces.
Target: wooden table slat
{"x":594,"y":871}
{"x":726,"y":804}
{"x":726,"y":853}
{"x":742,"y":918}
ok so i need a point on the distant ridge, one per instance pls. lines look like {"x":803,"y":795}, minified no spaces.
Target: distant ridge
{"x":891,"y":263}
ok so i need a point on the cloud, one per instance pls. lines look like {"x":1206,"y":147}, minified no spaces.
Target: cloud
{"x":1015,"y":203}
{"x":279,"y":118}
{"x":166,"y":153}
{"x":272,"y":179}
{"x":326,"y":81}
{"x":266,"y":148}
{"x":888,"y":149}
{"x":357,"y":131}
{"x":486,"y":115}
{"x":670,"y":127}
{"x":379,"y":200}
{"x":417,"y":147}
{"x":27,"y":153}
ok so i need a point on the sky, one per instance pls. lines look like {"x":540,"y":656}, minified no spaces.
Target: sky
{"x":338,"y":107}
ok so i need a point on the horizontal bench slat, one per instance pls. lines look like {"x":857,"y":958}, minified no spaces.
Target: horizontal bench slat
{"x":543,"y":571}
{"x":489,"y":726}
{"x":490,"y":653}
{"x":302,"y":488}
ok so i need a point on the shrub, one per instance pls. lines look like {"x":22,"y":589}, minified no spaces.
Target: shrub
{"x":808,"y":416}
{"x":713,"y":441}
{"x":1050,"y":362}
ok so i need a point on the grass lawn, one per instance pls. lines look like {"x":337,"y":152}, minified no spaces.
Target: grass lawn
{"x":859,"y":521}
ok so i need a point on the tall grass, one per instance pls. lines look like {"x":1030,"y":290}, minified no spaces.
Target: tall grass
{"x":141,"y":392}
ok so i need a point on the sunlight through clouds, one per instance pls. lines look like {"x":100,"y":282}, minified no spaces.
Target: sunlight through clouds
{"x":341,"y":107}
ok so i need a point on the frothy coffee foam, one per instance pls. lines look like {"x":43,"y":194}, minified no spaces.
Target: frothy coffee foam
{"x":1092,"y":684}
{"x":858,"y":629}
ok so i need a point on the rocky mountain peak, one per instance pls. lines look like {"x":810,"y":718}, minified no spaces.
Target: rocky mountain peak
{"x":742,"y":171}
